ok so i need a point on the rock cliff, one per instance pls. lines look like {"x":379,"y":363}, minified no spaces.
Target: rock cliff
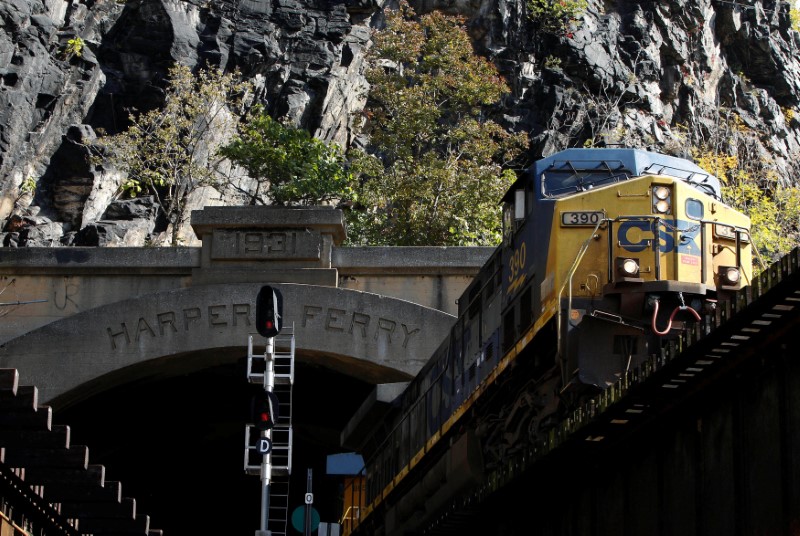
{"x":664,"y":75}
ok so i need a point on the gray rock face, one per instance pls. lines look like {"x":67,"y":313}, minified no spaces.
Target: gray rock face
{"x":653,"y":74}
{"x":43,"y":89}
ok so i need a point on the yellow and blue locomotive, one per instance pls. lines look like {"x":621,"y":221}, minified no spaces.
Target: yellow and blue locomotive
{"x":620,"y":247}
{"x":606,"y":254}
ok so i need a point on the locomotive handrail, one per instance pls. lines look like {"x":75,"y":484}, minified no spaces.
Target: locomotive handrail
{"x":570,"y":273}
{"x":346,"y":516}
{"x":702,"y":186}
{"x":745,"y":231}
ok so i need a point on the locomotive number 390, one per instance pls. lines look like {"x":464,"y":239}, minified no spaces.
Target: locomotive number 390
{"x":580,"y":218}
{"x":517,"y":263}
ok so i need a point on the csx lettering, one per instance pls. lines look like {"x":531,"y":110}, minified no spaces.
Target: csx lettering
{"x":517,"y":263}
{"x":666,"y":242}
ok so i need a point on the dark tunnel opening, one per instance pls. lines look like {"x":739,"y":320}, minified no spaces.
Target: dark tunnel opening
{"x":177,"y":445}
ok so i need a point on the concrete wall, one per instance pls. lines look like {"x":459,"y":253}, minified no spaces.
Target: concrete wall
{"x":431,"y":276}
{"x":363,"y":335}
{"x":75,"y":280}
{"x":78,"y":320}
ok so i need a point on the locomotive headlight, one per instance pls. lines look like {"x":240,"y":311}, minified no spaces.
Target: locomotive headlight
{"x":729,"y":276}
{"x":662,"y":204}
{"x":627,"y":267}
{"x":661,"y":192}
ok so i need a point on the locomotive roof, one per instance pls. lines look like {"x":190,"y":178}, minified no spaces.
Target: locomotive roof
{"x":618,"y":164}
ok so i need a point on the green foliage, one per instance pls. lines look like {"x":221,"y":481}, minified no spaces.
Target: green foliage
{"x":555,"y":16}
{"x":74,"y":47}
{"x":298,"y":168}
{"x":774,"y":212}
{"x":26,"y":190}
{"x":552,"y":62}
{"x":434,"y":174}
{"x":794,"y":18}
{"x":751,"y":185}
{"x":28,"y":186}
{"x":165,"y":151}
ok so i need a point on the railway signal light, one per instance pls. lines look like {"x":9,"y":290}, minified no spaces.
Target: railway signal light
{"x":269,"y":311}
{"x":265,"y":410}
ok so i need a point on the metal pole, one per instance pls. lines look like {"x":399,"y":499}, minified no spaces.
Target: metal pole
{"x":307,"y":524}
{"x":266,"y":463}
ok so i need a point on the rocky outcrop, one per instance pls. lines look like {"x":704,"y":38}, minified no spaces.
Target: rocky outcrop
{"x":662,"y":75}
{"x":305,"y":58}
{"x":127,"y":222}
{"x":649,"y":74}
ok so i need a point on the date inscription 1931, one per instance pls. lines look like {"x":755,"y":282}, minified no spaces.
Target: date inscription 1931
{"x":266,"y":245}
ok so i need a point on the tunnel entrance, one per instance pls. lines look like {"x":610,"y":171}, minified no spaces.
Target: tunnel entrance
{"x":176,"y":443}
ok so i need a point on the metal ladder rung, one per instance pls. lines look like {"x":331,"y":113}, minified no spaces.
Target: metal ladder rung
{"x":280,"y":363}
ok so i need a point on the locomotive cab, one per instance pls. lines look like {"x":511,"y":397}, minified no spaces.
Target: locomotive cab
{"x":628,"y":248}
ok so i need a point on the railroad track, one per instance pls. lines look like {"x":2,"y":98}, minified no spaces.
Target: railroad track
{"x":761,"y":314}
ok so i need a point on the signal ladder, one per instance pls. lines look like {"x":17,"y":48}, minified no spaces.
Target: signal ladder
{"x":280,"y":459}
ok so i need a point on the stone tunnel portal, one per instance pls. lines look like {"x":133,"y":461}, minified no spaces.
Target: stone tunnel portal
{"x":147,"y":363}
{"x":370,"y":337}
{"x":156,"y":387}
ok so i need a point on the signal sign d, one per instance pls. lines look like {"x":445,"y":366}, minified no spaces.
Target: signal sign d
{"x":264,"y":445}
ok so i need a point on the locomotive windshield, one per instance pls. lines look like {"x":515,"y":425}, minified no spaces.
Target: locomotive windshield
{"x":578,"y":176}
{"x":578,"y":170}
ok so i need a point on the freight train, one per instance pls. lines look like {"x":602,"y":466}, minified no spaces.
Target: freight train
{"x":606,"y":255}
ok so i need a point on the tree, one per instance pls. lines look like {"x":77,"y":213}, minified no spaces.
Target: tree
{"x":165,"y":151}
{"x":751,"y":185}
{"x":288,"y":164}
{"x":434,"y":170}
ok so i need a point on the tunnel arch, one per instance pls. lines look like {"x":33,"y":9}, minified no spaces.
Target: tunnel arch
{"x":368,"y":336}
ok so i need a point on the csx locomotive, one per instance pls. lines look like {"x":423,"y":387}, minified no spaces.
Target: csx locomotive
{"x":606,"y":254}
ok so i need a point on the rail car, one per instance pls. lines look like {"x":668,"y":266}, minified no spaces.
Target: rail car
{"x":606,"y":255}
